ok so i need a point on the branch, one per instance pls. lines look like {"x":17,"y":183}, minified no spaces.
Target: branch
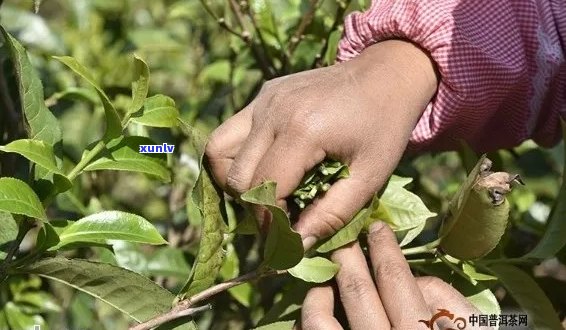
{"x":263,"y":63}
{"x":305,"y":22}
{"x":184,"y":308}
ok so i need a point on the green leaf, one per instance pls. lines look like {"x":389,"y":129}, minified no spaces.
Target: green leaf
{"x":140,"y":85}
{"x":476,"y":276}
{"x":468,"y":156}
{"x":131,"y":293}
{"x":113,"y":123}
{"x":20,"y":320}
{"x":41,"y":123}
{"x":168,"y":262}
{"x":209,"y":199}
{"x":399,"y":207}
{"x":529,"y":296}
{"x":554,"y":238}
{"x":347,"y":234}
{"x":283,"y":325}
{"x":316,"y":270}
{"x":122,"y":154}
{"x":218,"y":71}
{"x":110,"y":225}
{"x":280,"y":232}
{"x":485,"y":301}
{"x":290,"y":303}
{"x":407,"y":236}
{"x":36,"y":151}
{"x":8,"y":233}
{"x":42,"y":300}
{"x":158,"y":111}
{"x":18,"y":198}
{"x":47,"y":237}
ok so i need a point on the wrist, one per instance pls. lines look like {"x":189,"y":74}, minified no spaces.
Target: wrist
{"x":404,"y":64}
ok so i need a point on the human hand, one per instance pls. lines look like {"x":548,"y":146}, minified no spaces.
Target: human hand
{"x":360,"y":112}
{"x":397,"y":300}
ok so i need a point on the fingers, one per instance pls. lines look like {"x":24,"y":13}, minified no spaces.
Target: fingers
{"x":398,"y":289}
{"x":337,"y":207}
{"x":241,"y":172}
{"x":441,"y":295}
{"x":358,"y":293}
{"x":286,"y":162}
{"x":225,"y":143}
{"x":318,"y":309}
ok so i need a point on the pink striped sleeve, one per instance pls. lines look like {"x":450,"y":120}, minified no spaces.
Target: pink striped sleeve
{"x":501,"y":63}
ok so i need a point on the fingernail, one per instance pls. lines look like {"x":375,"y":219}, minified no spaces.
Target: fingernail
{"x":376,"y":226}
{"x":308,"y":242}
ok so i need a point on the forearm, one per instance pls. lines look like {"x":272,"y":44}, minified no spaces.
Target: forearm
{"x":501,"y":69}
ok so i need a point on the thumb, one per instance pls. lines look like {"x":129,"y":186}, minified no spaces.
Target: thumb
{"x":338,"y":205}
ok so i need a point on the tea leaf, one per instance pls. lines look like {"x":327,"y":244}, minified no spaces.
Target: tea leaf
{"x":316,"y":270}
{"x":113,"y":123}
{"x":158,"y":111}
{"x":132,"y":294}
{"x":36,"y":151}
{"x":110,"y":225}
{"x":280,"y":232}
{"x":18,"y":198}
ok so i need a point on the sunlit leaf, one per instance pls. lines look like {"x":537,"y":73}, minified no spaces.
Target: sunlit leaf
{"x":123,"y":154}
{"x":476,"y":276}
{"x":399,"y":207}
{"x":110,"y":225}
{"x":316,"y":270}
{"x":347,"y":234}
{"x":18,"y":319}
{"x":140,"y":85}
{"x":18,"y":198}
{"x":36,"y":151}
{"x":158,"y":111}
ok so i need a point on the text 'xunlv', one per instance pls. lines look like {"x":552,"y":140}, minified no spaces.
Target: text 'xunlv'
{"x":156,"y":148}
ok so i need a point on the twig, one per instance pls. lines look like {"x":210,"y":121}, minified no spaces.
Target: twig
{"x":264,"y":64}
{"x":222,"y":22}
{"x":427,"y":248}
{"x":181,"y":308}
{"x":305,"y":22}
{"x":337,"y":21}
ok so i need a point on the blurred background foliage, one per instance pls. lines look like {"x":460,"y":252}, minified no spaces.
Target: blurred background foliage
{"x":211,"y":57}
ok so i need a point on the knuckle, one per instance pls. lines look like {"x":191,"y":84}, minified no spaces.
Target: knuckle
{"x":356,"y":285}
{"x":430,"y":282}
{"x":331,"y":219}
{"x":312,"y":319}
{"x":392,"y":269}
{"x":213,"y":148}
{"x":235,"y":182}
